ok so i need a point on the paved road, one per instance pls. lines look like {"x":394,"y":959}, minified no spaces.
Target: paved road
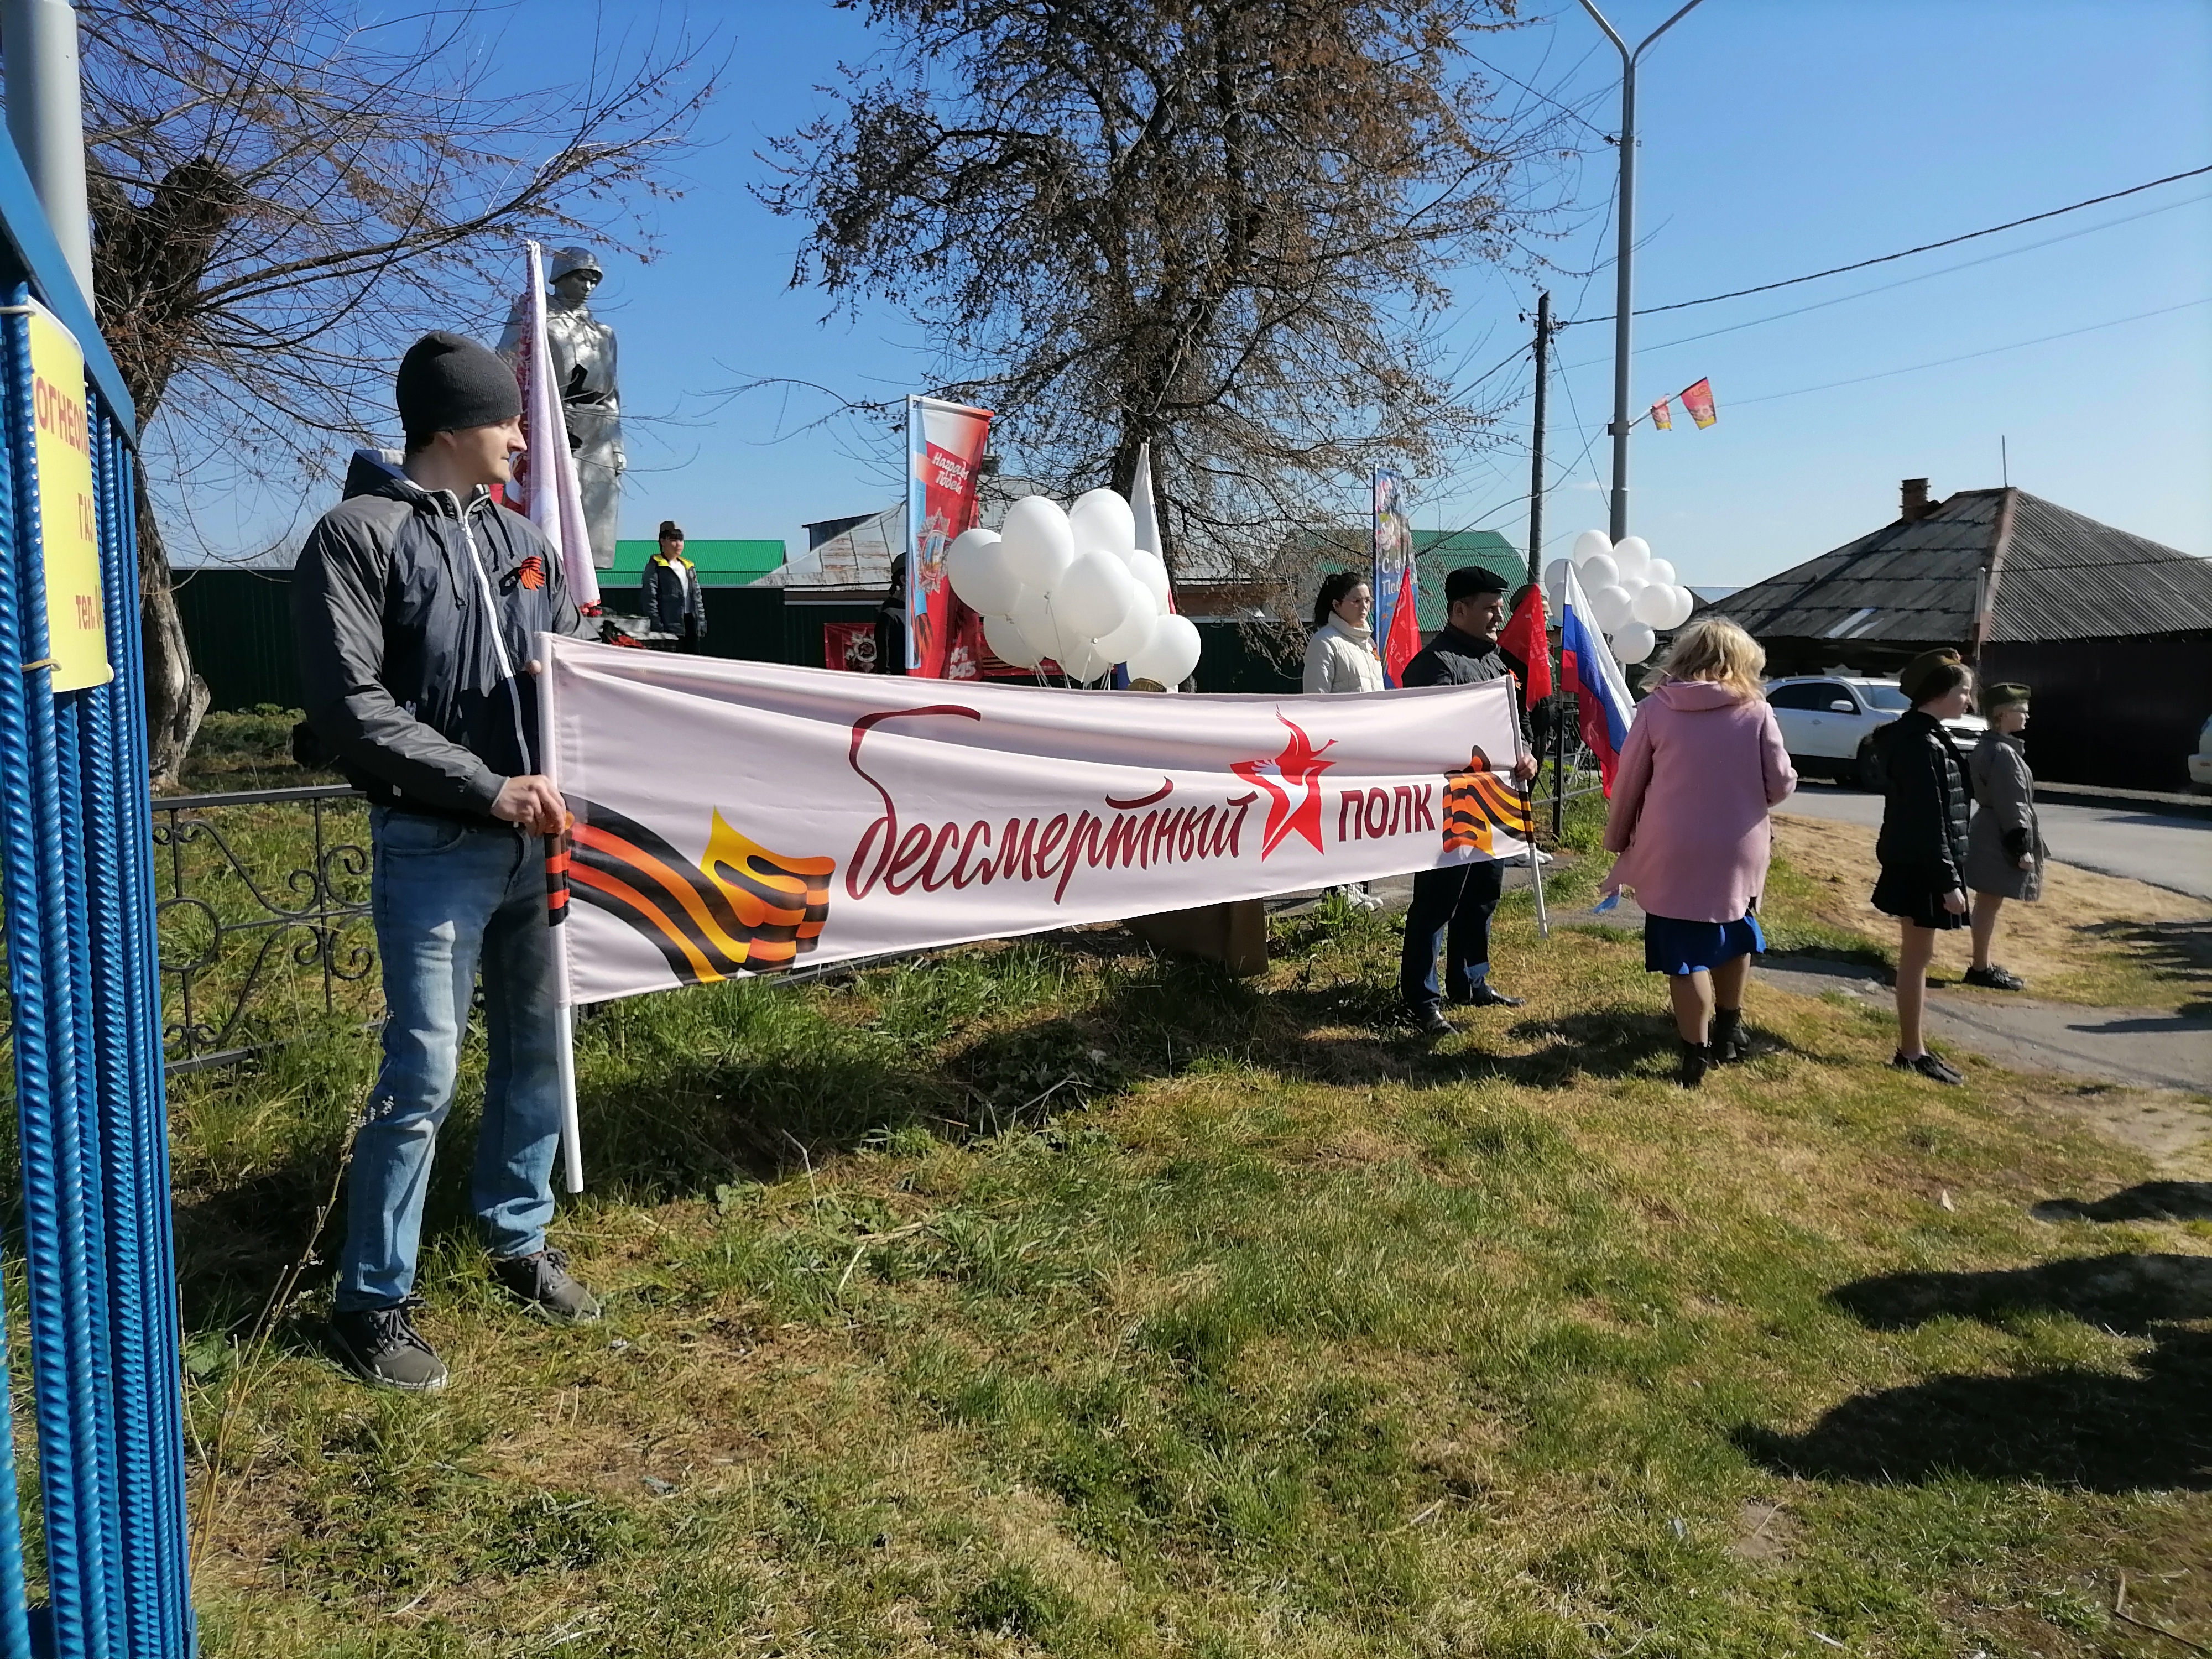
{"x":2167,"y":852}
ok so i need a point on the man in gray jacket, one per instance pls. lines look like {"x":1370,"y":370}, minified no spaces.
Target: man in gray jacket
{"x":416,"y":601}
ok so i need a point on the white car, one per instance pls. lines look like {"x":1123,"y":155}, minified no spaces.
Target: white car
{"x":1828,"y":722}
{"x":2200,"y":763}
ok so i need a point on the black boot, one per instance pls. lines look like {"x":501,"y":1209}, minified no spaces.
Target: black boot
{"x":1697,"y":1057}
{"x":1729,"y":1041}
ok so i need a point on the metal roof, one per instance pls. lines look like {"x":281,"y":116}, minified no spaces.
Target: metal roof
{"x":2062,"y":576}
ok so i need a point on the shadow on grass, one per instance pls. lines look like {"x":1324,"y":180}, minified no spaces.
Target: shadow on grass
{"x":2149,"y":1200}
{"x":2180,"y":951}
{"x":2146,"y":1428}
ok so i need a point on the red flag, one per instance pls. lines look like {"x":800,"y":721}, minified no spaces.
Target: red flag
{"x":1525,"y":637}
{"x":1662,"y":414}
{"x":1699,"y":400}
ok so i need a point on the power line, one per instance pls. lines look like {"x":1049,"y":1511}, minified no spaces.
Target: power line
{"x":1902,"y":281}
{"x":1968,"y":356}
{"x":1903,"y":253}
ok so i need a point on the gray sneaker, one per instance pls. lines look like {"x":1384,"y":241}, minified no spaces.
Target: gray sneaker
{"x":381,"y":1345}
{"x":542,"y":1280}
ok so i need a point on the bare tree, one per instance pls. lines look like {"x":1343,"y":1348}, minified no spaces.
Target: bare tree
{"x":286,"y":192}
{"x":1220,"y":226}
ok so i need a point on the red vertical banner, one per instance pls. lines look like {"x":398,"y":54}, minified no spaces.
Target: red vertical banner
{"x":1699,"y":400}
{"x":850,"y":646}
{"x":945,"y":465}
{"x":1397,"y":583}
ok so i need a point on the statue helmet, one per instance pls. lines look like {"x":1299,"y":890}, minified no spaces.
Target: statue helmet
{"x":575,"y":258}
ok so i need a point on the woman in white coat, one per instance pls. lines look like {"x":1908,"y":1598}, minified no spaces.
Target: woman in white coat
{"x":1341,"y":657}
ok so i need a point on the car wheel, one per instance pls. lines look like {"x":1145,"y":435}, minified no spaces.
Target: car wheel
{"x":1866,"y":771}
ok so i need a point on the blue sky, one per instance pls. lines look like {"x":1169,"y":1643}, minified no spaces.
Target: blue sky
{"x":1779,"y":136}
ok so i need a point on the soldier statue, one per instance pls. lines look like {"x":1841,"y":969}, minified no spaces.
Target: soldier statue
{"x":583,"y":351}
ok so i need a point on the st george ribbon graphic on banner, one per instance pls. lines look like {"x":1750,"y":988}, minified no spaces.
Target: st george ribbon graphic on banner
{"x":945,"y":468}
{"x":783,"y":816}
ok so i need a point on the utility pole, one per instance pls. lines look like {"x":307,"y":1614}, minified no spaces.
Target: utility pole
{"x":1624,"y":300}
{"x":1536,"y":445}
{"x":45,"y":118}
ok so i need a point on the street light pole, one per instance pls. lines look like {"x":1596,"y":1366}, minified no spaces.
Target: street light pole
{"x":1624,"y":275}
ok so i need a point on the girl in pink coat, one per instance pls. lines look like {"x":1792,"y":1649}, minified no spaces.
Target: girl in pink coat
{"x":1703,"y":765}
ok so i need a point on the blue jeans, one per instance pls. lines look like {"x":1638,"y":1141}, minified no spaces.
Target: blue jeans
{"x":446,"y":899}
{"x":1457,"y":900}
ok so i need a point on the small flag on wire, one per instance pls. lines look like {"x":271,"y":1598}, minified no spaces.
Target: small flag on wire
{"x":1662,"y":414}
{"x":1699,"y":400}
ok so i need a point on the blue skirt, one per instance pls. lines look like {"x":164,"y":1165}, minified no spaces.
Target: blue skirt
{"x":1672,"y":946}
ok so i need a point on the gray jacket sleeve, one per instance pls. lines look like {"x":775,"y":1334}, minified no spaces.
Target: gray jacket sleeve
{"x":338,"y":619}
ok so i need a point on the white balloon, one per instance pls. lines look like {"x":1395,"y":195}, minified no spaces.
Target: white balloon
{"x":1631,"y":586}
{"x":1147,"y":568}
{"x":1660,"y":574}
{"x":1555,"y":573}
{"x":1084,"y":661}
{"x":1590,"y":545}
{"x":1597,"y":571}
{"x":1171,"y":655}
{"x":1653,"y":606}
{"x":1685,"y":603}
{"x":1102,"y":519}
{"x":1632,"y":643}
{"x":1609,"y":606}
{"x":1555,"y":598}
{"x":1008,"y":642}
{"x":1033,"y":615}
{"x":1037,"y":541}
{"x":1632,"y":555}
{"x":1092,"y":596}
{"x":1127,"y":639}
{"x":976,"y":567}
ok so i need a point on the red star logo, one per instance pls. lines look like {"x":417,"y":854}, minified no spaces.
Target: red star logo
{"x":1300,"y":768}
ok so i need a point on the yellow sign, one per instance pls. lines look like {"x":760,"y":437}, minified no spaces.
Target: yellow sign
{"x":68,"y":520}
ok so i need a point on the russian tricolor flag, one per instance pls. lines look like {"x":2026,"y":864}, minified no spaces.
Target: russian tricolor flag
{"x":1588,"y":671}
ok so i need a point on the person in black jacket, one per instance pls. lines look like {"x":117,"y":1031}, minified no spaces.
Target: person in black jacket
{"x":669,"y":586}
{"x":1922,"y":846}
{"x":1459,"y":899}
{"x":415,"y":603}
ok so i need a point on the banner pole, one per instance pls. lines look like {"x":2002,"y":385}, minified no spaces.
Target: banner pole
{"x":556,"y":912}
{"x":1528,"y":807}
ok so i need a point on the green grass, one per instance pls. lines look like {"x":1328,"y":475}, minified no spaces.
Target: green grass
{"x":1050,"y":1298}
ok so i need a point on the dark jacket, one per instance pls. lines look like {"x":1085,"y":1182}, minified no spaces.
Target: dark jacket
{"x":400,"y":658}
{"x":1456,"y":658}
{"x":1923,"y":822}
{"x":673,"y":604}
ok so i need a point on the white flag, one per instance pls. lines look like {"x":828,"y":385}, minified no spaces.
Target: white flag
{"x":548,"y":474}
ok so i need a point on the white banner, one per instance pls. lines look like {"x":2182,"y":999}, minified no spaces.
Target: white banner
{"x":739,"y":818}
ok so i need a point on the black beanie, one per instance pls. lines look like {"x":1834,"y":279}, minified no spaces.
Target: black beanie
{"x":1470,"y":579}
{"x":447,"y":383}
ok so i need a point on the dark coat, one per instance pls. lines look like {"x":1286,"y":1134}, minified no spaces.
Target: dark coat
{"x":416,"y":615}
{"x":1456,"y":658}
{"x":1924,"y":820}
{"x":670,"y":589}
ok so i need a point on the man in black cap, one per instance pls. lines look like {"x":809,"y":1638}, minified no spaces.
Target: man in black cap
{"x":1458,"y":900}
{"x":416,"y":602}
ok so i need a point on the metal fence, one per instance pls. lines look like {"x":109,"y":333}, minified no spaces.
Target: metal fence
{"x":263,"y":914}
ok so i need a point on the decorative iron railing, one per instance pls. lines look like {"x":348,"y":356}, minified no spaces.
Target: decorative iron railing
{"x":262,"y":913}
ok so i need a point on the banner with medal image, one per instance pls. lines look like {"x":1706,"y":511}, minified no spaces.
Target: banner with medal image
{"x":944,"y":467}
{"x":784,"y":817}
